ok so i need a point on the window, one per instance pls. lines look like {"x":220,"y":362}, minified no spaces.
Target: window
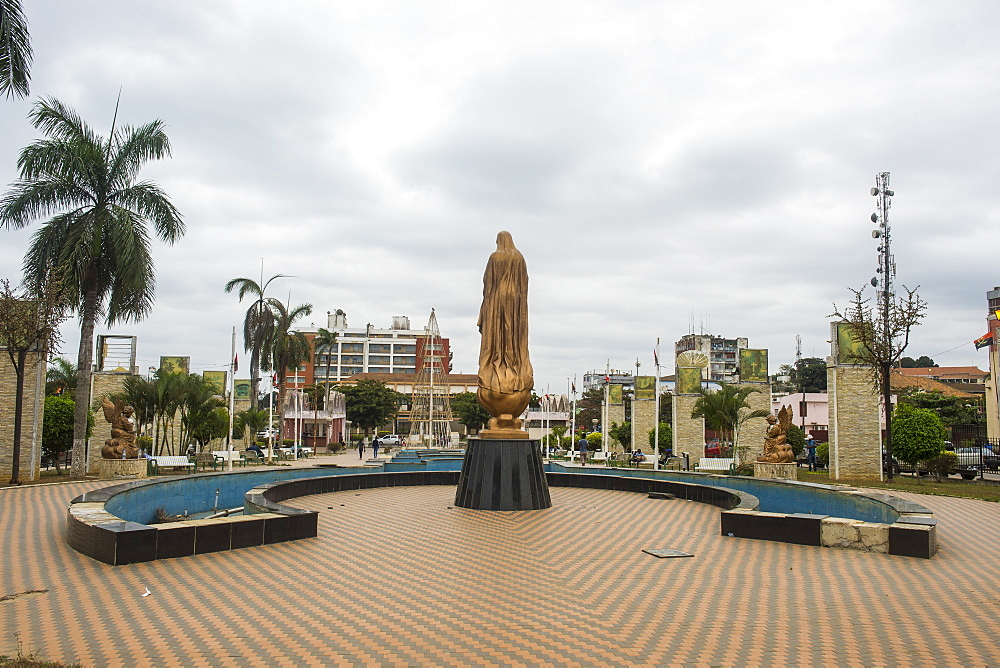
{"x":353,"y":359}
{"x":379,"y":347}
{"x":378,"y":359}
{"x":378,"y":369}
{"x":352,"y":348}
{"x":404,"y":349}
{"x":350,"y":370}
{"x":404,"y":361}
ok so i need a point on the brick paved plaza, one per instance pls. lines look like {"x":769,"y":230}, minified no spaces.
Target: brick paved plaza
{"x":396,"y":577}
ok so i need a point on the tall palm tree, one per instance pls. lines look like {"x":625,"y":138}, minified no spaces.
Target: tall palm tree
{"x":60,"y":378}
{"x":325,"y":342}
{"x":98,"y":234}
{"x":727,"y":410}
{"x":257,"y":325}
{"x":288,"y":348}
{"x":15,"y":50}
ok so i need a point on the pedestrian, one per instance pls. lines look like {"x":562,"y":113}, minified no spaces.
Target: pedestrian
{"x":375,"y":444}
{"x":811,"y":453}
{"x":582,"y":447}
{"x":361,"y":448}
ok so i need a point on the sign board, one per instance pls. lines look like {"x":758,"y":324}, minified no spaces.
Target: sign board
{"x":753,"y":365}
{"x":175,"y":365}
{"x":645,"y":387}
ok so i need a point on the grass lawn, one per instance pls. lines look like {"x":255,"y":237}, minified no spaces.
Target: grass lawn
{"x":969,"y":489}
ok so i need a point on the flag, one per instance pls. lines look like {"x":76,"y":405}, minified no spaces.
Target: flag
{"x":236,"y":363}
{"x":656,"y":358}
{"x":997,"y":314}
{"x":984,"y":340}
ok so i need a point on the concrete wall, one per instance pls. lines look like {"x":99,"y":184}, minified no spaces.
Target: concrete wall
{"x":754,"y":431}
{"x":33,"y":407}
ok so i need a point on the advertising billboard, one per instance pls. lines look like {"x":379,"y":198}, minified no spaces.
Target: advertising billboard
{"x":849,"y":349}
{"x":241,"y":389}
{"x":615,"y":395}
{"x":645,"y":387}
{"x":688,"y":380}
{"x":175,"y":365}
{"x":217,"y":379}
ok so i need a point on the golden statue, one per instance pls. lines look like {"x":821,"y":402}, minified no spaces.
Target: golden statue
{"x":776,"y":448}
{"x":505,"y":374}
{"x":121,"y":445}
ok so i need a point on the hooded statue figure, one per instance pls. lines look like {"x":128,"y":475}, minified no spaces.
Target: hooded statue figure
{"x":505,"y":374}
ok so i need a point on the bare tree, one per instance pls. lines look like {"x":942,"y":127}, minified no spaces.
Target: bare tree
{"x":29,"y":323}
{"x":883,"y":332}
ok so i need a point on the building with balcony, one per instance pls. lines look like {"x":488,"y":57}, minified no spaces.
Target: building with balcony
{"x":723,"y":354}
{"x":396,"y":350}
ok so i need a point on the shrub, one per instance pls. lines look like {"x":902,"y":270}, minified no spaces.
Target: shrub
{"x":594,"y":440}
{"x":823,"y":454}
{"x":746,"y":468}
{"x":917,"y":434}
{"x":942,"y":465}
{"x":796,"y":439}
{"x":666,"y":436}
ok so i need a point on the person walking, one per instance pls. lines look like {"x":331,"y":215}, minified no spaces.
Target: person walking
{"x":361,"y":448}
{"x":811,"y":453}
{"x":375,"y":444}
{"x":582,"y":447}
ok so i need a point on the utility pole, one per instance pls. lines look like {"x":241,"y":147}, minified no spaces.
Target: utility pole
{"x":886,"y":296}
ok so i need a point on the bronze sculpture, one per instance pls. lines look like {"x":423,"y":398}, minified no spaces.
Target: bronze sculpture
{"x":776,"y":448}
{"x":121,"y":445}
{"x":505,"y":374}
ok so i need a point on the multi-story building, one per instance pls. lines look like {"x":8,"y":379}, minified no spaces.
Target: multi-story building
{"x":723,"y":354}
{"x":394,"y":350}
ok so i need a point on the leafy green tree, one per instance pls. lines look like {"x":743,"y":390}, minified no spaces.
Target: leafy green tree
{"x":15,"y":50}
{"x":140,"y":394}
{"x":29,"y":326}
{"x":621,"y":433}
{"x":57,"y":428}
{"x":797,"y":439}
{"x":370,"y":404}
{"x":918,"y":434}
{"x":666,"y":436}
{"x":469,"y":412}
{"x":287,"y":347}
{"x":952,"y":410}
{"x":98,"y":232}
{"x":921,"y":362}
{"x":666,"y":408}
{"x":200,"y":415}
{"x":258,"y":325}
{"x":214,"y":424}
{"x":726,"y":410}
{"x":60,"y":378}
{"x":253,"y":420}
{"x":595,"y":440}
{"x":809,"y":375}
{"x":588,"y":407}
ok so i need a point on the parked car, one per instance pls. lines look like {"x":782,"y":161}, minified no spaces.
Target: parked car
{"x":391,"y":439}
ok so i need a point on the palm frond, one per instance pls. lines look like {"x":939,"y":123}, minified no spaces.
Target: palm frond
{"x":15,"y":50}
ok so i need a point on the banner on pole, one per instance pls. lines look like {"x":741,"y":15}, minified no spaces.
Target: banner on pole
{"x":615,"y":395}
{"x":216,"y":379}
{"x":753,"y":365}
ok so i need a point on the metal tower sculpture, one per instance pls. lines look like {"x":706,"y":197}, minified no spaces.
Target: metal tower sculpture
{"x":430,"y":421}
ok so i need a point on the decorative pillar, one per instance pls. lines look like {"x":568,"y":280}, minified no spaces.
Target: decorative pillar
{"x":855,"y":415}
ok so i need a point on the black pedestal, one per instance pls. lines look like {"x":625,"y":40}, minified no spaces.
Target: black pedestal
{"x":502,"y":475}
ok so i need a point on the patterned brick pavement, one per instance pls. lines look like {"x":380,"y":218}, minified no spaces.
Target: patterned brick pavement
{"x":399,"y":578}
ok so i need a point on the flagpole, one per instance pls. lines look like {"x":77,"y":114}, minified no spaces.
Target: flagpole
{"x":656,"y":410}
{"x":604,"y":412}
{"x":232,"y":377}
{"x":572,"y":435}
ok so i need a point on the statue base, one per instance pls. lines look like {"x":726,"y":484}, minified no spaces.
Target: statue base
{"x":786,"y":471}
{"x":119,"y":469}
{"x":502,"y":475}
{"x":503,"y":435}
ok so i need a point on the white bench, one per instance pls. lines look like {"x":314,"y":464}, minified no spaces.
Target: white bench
{"x":715,"y":464}
{"x":224,"y":456}
{"x":174,"y":461}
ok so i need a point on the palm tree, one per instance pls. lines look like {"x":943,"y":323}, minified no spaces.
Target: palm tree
{"x":257,"y":325}
{"x":15,"y":50}
{"x":288,"y":348}
{"x":727,"y":410}
{"x":98,"y":234}
{"x":324,"y":341}
{"x":60,"y":378}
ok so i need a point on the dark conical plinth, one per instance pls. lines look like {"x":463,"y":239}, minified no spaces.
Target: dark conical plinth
{"x":502,"y":475}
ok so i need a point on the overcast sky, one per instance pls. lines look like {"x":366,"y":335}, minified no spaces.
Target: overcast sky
{"x":663,"y":167}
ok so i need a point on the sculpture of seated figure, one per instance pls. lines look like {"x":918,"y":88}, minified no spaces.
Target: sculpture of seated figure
{"x":776,"y":448}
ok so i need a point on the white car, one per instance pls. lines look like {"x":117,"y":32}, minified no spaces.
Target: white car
{"x":391,"y":439}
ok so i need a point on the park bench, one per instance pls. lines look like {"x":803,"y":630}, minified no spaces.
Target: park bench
{"x":715,"y":464}
{"x":223,"y":456}
{"x":252,"y":457}
{"x":171,"y":461}
{"x":202,"y":460}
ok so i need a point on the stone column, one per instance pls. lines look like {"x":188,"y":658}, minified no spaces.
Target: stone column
{"x":644,"y":414}
{"x":855,"y":419}
{"x":753,"y":431}
{"x":32,"y":408}
{"x":105,"y":383}
{"x":616,"y":413}
{"x":689,"y":433}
